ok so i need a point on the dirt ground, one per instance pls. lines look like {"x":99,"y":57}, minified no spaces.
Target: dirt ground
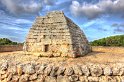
{"x":99,"y":55}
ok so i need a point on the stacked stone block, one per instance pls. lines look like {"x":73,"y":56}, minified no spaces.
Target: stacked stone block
{"x":56,"y":35}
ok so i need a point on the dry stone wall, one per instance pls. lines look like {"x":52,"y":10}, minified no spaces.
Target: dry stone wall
{"x":35,"y":72}
{"x":56,"y":35}
{"x":10,"y":48}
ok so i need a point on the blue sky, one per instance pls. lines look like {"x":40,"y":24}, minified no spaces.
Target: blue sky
{"x":97,"y":18}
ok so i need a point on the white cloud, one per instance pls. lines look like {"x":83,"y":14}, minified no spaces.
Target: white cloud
{"x":25,"y":6}
{"x":13,"y":21}
{"x":111,"y":7}
{"x":17,"y":7}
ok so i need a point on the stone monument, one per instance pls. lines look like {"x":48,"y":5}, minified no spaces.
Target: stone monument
{"x":55,"y":35}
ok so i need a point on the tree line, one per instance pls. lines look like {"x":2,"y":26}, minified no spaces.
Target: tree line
{"x":117,"y":40}
{"x":5,"y":41}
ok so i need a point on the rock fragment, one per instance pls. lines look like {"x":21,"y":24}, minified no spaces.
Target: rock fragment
{"x":29,"y":69}
{"x":69,"y":71}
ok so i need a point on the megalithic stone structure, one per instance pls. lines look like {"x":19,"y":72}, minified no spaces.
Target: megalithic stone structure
{"x":56,"y":35}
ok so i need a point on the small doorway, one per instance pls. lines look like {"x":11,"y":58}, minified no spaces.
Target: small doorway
{"x":46,"y":48}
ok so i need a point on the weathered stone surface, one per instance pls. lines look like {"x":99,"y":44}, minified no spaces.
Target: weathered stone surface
{"x":23,"y":78}
{"x":4,"y":76}
{"x":41,"y":78}
{"x":2,"y":72}
{"x":77,"y":70}
{"x":4,"y":80}
{"x":29,"y":69}
{"x":121,"y":71}
{"x":63,"y":79}
{"x":93,"y":79}
{"x":96,"y":70}
{"x":61,"y":70}
{"x":15,"y":79}
{"x":41,"y":69}
{"x":83,"y":79}
{"x":85,"y":70}
{"x":48,"y":70}
{"x":122,"y":79}
{"x":54,"y":71}
{"x":118,"y":70}
{"x":33,"y":77}
{"x":74,"y":78}
{"x":107,"y":70}
{"x":110,"y":79}
{"x":102,"y":79}
{"x":56,"y":35}
{"x":9,"y":76}
{"x":4,"y":66}
{"x":118,"y":79}
{"x":69,"y":71}
{"x":50,"y":79}
{"x":19,"y":69}
{"x":13,"y":69}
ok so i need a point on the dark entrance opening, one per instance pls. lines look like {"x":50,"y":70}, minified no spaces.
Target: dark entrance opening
{"x":46,"y":48}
